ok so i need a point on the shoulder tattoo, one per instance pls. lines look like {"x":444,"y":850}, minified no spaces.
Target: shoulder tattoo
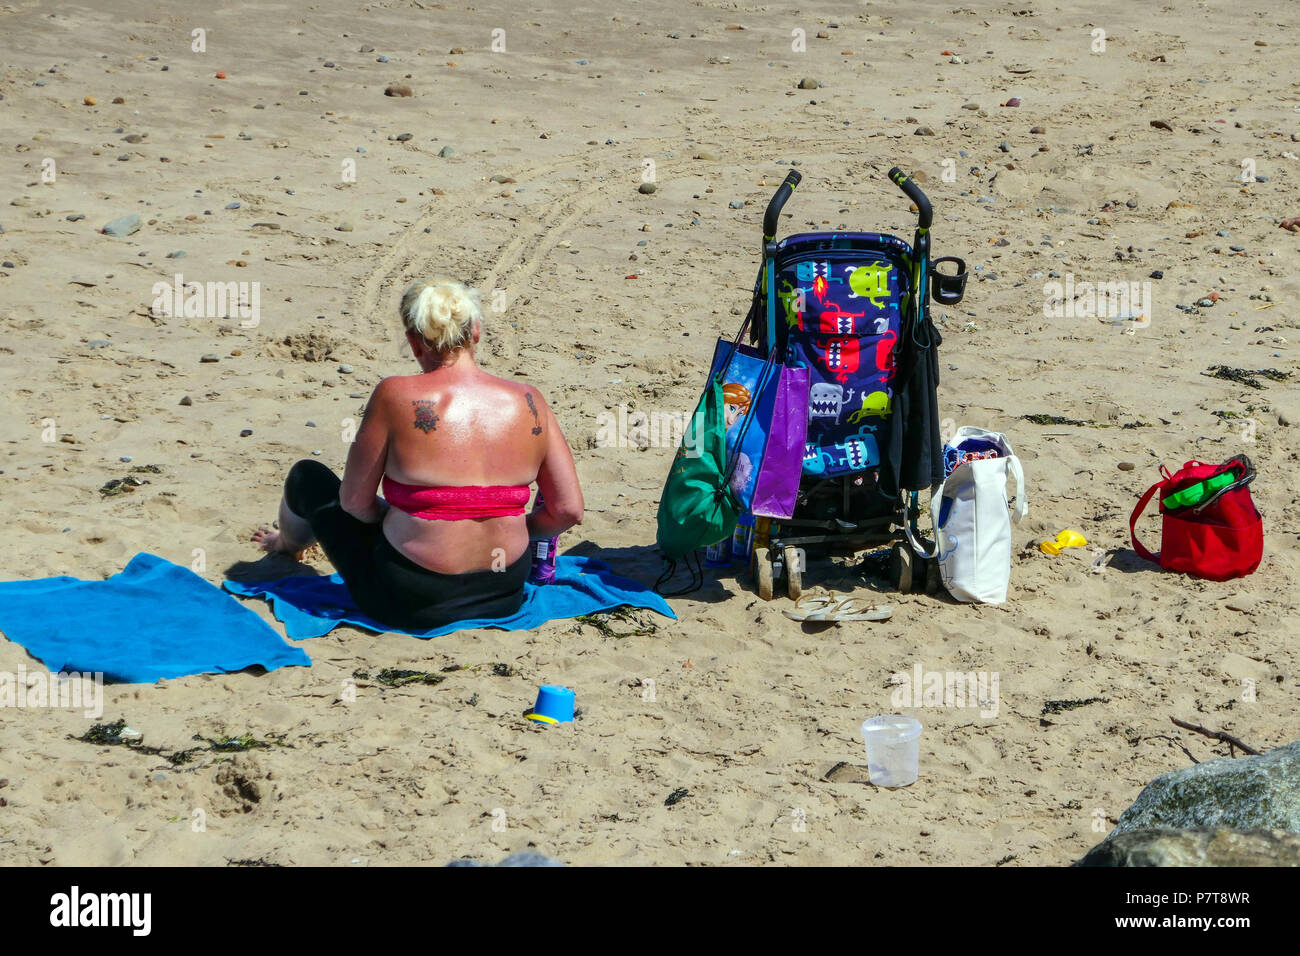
{"x":425,"y":419}
{"x":532,"y":407}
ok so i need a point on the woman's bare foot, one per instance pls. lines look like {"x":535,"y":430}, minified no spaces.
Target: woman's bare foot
{"x":275,"y":542}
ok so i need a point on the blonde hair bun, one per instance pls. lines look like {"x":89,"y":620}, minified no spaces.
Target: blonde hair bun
{"x":442,"y":312}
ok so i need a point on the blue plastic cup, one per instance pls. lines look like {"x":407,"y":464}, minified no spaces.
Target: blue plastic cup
{"x":554,"y":705}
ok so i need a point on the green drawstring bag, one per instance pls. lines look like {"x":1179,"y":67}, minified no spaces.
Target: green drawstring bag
{"x":697,"y":507}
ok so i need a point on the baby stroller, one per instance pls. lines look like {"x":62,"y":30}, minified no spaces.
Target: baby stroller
{"x":853,"y":307}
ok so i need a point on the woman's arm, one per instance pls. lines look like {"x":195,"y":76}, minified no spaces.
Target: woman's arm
{"x":557,"y":480}
{"x":367,"y":459}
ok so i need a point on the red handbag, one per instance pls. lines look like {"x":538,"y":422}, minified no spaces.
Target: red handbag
{"x":1210,"y":526}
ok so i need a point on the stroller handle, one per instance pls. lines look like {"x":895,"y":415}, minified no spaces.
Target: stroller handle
{"x":773,"y":213}
{"x":924,"y":213}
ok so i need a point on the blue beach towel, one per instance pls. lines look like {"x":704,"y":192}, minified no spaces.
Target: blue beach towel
{"x":154,"y":620}
{"x":310,"y":606}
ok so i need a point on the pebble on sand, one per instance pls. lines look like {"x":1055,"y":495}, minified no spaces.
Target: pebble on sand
{"x":808,"y":83}
{"x":210,"y":357}
{"x":1126,"y":466}
{"x":397,"y":89}
{"x":343,"y":227}
{"x":186,"y":400}
{"x":245,"y":433}
{"x":646,"y":188}
{"x":123,"y":226}
{"x":1244,"y":603}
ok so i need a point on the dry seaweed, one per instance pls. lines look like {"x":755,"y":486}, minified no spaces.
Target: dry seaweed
{"x":1244,"y":376}
{"x":1058,"y":420}
{"x":600,"y":621}
{"x":1057,"y":706}
{"x":117,"y":486}
{"x":110,"y":735}
{"x":244,"y":741}
{"x":391,"y":677}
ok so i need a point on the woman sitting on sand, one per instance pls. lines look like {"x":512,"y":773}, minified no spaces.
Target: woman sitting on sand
{"x":456,"y":449}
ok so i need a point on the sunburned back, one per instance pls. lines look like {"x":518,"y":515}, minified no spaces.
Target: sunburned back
{"x":476,"y":432}
{"x":461,"y":428}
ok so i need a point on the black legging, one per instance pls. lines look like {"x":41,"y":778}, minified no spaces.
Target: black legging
{"x":387,"y":585}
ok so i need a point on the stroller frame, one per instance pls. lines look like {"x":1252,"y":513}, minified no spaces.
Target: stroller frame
{"x":778,"y":543}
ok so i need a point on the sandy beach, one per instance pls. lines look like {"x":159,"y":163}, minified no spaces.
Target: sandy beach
{"x":1167,"y":157}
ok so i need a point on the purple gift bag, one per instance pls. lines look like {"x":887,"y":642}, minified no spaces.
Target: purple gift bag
{"x":777,"y":486}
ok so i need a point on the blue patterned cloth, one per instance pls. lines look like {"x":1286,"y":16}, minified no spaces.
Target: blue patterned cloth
{"x":310,"y":606}
{"x":154,"y":620}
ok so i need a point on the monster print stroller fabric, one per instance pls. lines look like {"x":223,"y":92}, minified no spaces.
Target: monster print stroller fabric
{"x":843,"y":318}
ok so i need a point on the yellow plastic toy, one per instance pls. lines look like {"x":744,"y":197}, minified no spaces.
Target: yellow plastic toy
{"x":1066,"y":539}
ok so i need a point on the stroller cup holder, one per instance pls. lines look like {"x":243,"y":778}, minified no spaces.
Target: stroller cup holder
{"x":948,"y":288}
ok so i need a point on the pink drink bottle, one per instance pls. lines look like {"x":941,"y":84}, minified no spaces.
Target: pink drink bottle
{"x":544,"y":554}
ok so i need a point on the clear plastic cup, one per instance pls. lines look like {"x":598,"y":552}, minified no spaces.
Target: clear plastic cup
{"x":893,"y":749}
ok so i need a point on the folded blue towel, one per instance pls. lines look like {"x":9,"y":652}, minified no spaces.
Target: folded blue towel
{"x":310,"y":606}
{"x":154,"y":620}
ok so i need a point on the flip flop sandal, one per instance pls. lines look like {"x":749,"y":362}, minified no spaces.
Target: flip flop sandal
{"x":811,"y":604}
{"x":853,"y":609}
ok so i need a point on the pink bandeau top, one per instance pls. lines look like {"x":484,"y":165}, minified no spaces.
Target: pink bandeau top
{"x":462,"y":503}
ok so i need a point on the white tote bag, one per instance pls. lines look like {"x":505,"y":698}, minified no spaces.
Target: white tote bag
{"x":972,"y":519}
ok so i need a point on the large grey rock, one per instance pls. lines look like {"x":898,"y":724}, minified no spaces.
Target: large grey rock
{"x":124,"y":226}
{"x":1209,"y":847}
{"x":1242,"y":793}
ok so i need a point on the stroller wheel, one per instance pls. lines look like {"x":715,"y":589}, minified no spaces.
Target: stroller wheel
{"x":793,"y":574}
{"x":761,"y":565}
{"x":902,"y":561}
